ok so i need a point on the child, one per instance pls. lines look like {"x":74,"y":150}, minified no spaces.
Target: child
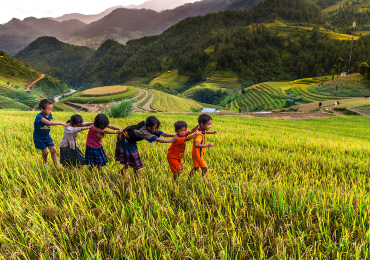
{"x":126,"y":148}
{"x":70,"y":155}
{"x":95,"y":155}
{"x":41,"y":133}
{"x":176,"y":151}
{"x":199,"y":145}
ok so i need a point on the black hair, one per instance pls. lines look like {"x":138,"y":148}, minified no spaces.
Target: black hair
{"x":101,"y":121}
{"x":204,"y":118}
{"x":44,"y":103}
{"x":75,"y":120}
{"x":180,"y":124}
{"x":149,"y":122}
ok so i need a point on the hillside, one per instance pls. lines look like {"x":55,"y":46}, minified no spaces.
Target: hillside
{"x":16,"y":76}
{"x":50,"y":56}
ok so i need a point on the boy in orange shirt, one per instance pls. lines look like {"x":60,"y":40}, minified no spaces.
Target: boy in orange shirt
{"x":199,"y":145}
{"x":176,"y":151}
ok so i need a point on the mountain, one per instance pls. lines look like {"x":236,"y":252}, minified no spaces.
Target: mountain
{"x":123,"y":24}
{"x":17,"y":34}
{"x":85,"y":18}
{"x":213,"y":44}
{"x":51,"y":56}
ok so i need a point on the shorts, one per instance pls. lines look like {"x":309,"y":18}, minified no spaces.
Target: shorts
{"x":199,"y":162}
{"x":41,"y":144}
{"x":175,"y":165}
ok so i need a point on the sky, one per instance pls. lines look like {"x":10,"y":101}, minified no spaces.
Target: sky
{"x":21,"y":9}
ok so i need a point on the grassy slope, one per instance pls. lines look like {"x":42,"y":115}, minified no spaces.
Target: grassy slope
{"x":294,"y":182}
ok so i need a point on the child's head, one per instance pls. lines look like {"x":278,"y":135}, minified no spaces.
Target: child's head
{"x":101,"y":121}
{"x":46,"y":106}
{"x":181,"y":127}
{"x":205,"y":122}
{"x":152,"y":124}
{"x":75,"y":121}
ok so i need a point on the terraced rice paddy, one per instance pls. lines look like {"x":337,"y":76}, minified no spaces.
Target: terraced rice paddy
{"x":212,"y":86}
{"x":104,"y":91}
{"x":277,"y":189}
{"x":79,"y":98}
{"x":171,"y":79}
{"x":8,"y":103}
{"x":164,"y":102}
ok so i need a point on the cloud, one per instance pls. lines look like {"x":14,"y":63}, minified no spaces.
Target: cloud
{"x":45,"y":8}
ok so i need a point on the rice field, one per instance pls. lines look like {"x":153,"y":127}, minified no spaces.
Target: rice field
{"x":104,"y":91}
{"x":212,"y":86}
{"x":171,"y":79}
{"x":6,"y":103}
{"x":129,"y":92}
{"x":164,"y":102}
{"x":287,"y":189}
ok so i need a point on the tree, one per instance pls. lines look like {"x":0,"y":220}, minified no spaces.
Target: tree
{"x":364,"y":68}
{"x":339,"y":64}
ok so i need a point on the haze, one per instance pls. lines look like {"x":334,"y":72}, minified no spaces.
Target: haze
{"x":43,"y":8}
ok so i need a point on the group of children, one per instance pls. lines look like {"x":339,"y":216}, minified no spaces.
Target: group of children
{"x":126,"y":147}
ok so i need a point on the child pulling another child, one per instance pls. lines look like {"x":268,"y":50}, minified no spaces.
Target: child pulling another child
{"x":70,"y":155}
{"x":176,"y":150}
{"x":95,"y":155}
{"x":199,"y":145}
{"x":41,"y":133}
{"x":126,"y":148}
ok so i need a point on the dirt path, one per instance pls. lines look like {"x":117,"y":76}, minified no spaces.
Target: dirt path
{"x":287,"y":115}
{"x":36,"y":105}
{"x":147,"y":105}
{"x":33,"y":82}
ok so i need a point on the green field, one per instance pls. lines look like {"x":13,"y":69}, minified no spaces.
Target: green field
{"x":164,"y":102}
{"x":212,"y":86}
{"x":78,"y":98}
{"x":172,"y":80}
{"x":277,"y":189}
{"x":6,"y":103}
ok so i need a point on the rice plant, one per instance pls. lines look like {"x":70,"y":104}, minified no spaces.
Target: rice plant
{"x":276,"y":189}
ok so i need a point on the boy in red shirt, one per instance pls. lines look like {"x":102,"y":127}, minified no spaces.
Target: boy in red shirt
{"x":176,"y":151}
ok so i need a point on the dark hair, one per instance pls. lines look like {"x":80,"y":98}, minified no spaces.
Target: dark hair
{"x":44,"y":103}
{"x":149,"y":122}
{"x":75,"y":120}
{"x":180,"y":124}
{"x":204,"y":118}
{"x":101,"y":121}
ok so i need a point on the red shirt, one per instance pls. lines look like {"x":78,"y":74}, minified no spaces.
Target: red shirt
{"x":177,"y":148}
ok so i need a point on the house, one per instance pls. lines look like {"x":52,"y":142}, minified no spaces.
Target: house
{"x":210,"y":110}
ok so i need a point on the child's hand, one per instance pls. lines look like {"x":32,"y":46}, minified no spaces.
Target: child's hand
{"x":214,"y":132}
{"x":175,"y":138}
{"x":65,"y":124}
{"x":90,"y":126}
{"x":120,"y":131}
{"x":198,"y":133}
{"x":211,"y":145}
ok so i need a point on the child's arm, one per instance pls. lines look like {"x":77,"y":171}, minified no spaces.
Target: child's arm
{"x":198,"y":145}
{"x":190,"y":137}
{"x":194,"y":129}
{"x":108,"y":132}
{"x":87,"y":124}
{"x":163,"y":141}
{"x":113,"y":127}
{"x":87,"y":127}
{"x":52,"y":123}
{"x":211,"y":133}
{"x":167,"y":135}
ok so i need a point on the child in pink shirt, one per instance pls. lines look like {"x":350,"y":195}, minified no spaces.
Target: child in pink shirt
{"x":95,"y":155}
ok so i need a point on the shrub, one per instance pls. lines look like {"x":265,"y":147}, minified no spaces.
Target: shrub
{"x":120,"y":110}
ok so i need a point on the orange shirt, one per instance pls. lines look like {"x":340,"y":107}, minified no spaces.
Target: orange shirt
{"x":199,"y":152}
{"x":177,"y":148}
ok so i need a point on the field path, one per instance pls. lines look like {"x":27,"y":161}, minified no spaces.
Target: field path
{"x":140,"y":91}
{"x":33,"y":82}
{"x":147,"y":105}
